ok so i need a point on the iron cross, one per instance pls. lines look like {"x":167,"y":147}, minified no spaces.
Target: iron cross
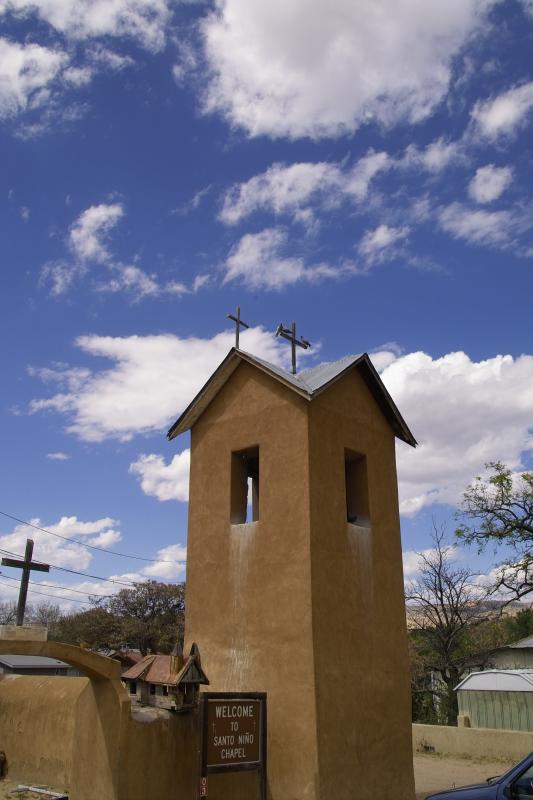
{"x":290,"y":335}
{"x":26,"y":566}
{"x":238,"y":323}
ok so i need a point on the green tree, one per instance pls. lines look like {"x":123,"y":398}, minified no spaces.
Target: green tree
{"x":451,"y":630}
{"x":151,"y":614}
{"x":497,"y":509}
{"x":95,"y":628}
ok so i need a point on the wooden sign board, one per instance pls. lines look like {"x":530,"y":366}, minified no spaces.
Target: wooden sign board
{"x":234,"y":733}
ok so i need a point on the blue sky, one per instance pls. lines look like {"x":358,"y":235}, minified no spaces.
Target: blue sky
{"x":363,"y":168}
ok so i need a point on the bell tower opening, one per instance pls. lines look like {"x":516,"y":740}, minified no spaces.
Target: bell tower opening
{"x":244,"y":486}
{"x":356,"y":476}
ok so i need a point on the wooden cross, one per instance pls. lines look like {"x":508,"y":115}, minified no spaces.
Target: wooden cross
{"x":238,"y":323}
{"x":290,"y":335}
{"x":26,"y":566}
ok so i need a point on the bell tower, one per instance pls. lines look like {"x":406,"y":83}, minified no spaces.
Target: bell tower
{"x":294,"y":569}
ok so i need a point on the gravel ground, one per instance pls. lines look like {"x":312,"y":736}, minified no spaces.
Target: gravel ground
{"x":432,"y":774}
{"x":435,"y":773}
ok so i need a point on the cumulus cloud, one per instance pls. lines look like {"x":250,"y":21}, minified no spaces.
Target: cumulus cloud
{"x":58,"y":456}
{"x":152,"y":379}
{"x":435,"y":157}
{"x":283,"y":188}
{"x":259,"y":261}
{"x":164,"y":481}
{"x":463,"y":414}
{"x":100,"y":533}
{"x":88,"y":242}
{"x":489,"y":183}
{"x":26,"y":72}
{"x":162,"y":569}
{"x":142,"y":20}
{"x":381,"y":243}
{"x":89,"y":232}
{"x":476,"y":226}
{"x":505,"y":114}
{"x":295,"y":70}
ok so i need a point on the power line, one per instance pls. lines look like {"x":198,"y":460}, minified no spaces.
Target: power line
{"x":57,"y":586}
{"x":46,"y":594}
{"x":89,"y":546}
{"x":74,"y":571}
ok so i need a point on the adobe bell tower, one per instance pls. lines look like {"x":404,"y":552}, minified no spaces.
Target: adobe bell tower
{"x":294,"y":570}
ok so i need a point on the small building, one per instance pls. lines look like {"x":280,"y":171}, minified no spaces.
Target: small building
{"x":497,"y":698}
{"x":127,"y":658}
{"x":167,"y":681}
{"x":35,"y":665}
{"x":518,"y":655}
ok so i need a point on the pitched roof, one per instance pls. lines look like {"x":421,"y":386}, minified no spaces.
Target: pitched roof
{"x":158,"y":669}
{"x":499,"y":680}
{"x":525,"y":643}
{"x":308,"y":384}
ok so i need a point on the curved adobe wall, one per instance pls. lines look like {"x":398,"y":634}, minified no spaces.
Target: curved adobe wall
{"x":91,"y":664}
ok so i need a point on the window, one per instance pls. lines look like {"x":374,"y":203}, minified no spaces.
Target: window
{"x":357,"y":508}
{"x":522,"y":788}
{"x":245,"y":486}
{"x":152,"y":688}
{"x":133,"y":687}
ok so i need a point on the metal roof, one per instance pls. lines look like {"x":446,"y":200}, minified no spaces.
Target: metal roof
{"x":499,"y":680}
{"x":32,"y":662}
{"x":308,"y":384}
{"x":522,"y":643}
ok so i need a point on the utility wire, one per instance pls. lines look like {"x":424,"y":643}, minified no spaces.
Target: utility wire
{"x":46,"y":594}
{"x":56,"y":586}
{"x":73,"y":571}
{"x":84,"y":544}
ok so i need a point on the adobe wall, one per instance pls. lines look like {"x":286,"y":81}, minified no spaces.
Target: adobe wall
{"x":472,"y":742}
{"x":248,"y":592}
{"x":78,"y":734}
{"x":361,"y":654}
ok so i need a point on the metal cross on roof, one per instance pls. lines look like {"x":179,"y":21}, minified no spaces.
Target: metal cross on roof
{"x":26,"y":566}
{"x":290,"y":335}
{"x":238,"y":324}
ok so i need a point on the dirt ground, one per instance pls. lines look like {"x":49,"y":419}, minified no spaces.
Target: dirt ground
{"x":7,"y":793}
{"x":434,"y":773}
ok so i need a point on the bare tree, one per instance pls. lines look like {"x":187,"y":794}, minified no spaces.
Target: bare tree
{"x":8,"y":613}
{"x":450,"y":622}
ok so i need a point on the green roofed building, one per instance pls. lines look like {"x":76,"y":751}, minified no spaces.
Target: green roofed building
{"x":497,"y":699}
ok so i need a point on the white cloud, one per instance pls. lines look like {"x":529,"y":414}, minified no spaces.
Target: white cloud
{"x":504,"y":114}
{"x":379,"y":244}
{"x":101,"y":533}
{"x":168,"y":571}
{"x":412,"y":560}
{"x":259,"y":262}
{"x":464,"y":414}
{"x":299,"y":69}
{"x":143,"y":20}
{"x":26,"y":70}
{"x":60,"y":276}
{"x":435,"y":157}
{"x":489,"y":183}
{"x":283,"y":188}
{"x":477,"y":226}
{"x":58,"y":456}
{"x":88,"y":233}
{"x":153,"y":378}
{"x":164,"y":481}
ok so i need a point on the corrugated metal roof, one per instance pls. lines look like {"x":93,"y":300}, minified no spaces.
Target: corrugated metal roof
{"x":499,"y":680}
{"x":522,"y":643}
{"x":32,"y":662}
{"x":309,"y":383}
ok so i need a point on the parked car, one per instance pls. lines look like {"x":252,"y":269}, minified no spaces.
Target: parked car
{"x":515,"y":784}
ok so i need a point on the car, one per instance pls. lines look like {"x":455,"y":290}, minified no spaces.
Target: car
{"x":515,"y":784}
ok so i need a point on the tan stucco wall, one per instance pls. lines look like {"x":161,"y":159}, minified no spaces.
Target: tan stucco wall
{"x":472,"y":742}
{"x":249,"y":586}
{"x":361,"y":657}
{"x":298,"y":604}
{"x":79,"y":734}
